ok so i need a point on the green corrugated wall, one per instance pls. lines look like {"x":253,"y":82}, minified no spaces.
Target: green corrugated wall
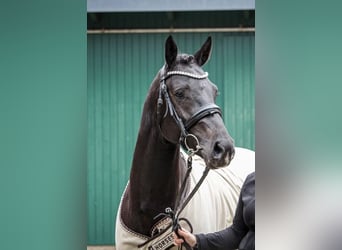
{"x":120,"y":70}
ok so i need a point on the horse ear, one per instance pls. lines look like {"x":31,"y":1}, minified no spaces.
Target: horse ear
{"x":170,"y":51}
{"x":203,"y":54}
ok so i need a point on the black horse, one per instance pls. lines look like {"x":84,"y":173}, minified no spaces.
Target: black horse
{"x":179,"y":110}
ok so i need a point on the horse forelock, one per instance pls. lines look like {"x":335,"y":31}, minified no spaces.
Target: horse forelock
{"x":185,"y":59}
{"x":186,"y":63}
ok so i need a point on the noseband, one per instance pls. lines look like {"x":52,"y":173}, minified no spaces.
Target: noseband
{"x":197,"y":116}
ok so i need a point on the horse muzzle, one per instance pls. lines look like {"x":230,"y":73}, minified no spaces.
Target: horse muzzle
{"x":222,"y":154}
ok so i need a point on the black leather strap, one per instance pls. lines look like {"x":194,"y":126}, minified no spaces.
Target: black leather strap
{"x":200,"y":114}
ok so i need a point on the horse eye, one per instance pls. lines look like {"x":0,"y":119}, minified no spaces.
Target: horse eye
{"x":179,"y":94}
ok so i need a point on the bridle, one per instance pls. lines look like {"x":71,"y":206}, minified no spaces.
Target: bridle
{"x":197,"y":116}
{"x":184,"y":127}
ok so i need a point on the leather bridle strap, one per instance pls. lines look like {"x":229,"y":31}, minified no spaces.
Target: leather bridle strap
{"x":171,"y":108}
{"x":200,"y":114}
{"x":203,"y":112}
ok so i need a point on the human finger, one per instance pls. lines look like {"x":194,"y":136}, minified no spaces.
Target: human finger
{"x":187,"y":236}
{"x":177,"y":241}
{"x":183,"y":232}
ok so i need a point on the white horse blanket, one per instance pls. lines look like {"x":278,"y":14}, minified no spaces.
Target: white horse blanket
{"x":211,"y":209}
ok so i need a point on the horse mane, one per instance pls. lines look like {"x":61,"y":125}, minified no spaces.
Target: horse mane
{"x":150,"y":106}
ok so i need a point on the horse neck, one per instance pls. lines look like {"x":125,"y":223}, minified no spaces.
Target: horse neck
{"x":155,"y":172}
{"x":154,"y":179}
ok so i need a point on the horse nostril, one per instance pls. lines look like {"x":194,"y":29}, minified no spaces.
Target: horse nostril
{"x":218,"y":150}
{"x":223,"y":152}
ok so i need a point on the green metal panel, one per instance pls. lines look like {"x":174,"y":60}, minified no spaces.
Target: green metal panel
{"x":120,"y":70}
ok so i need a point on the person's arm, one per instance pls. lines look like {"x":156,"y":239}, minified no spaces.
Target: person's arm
{"x":228,"y":238}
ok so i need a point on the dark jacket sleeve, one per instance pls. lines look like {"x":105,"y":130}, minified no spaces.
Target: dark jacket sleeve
{"x":230,"y":237}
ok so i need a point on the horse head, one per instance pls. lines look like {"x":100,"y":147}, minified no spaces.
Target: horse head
{"x":187,"y":110}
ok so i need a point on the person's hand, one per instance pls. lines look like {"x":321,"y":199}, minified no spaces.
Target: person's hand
{"x":188,"y":237}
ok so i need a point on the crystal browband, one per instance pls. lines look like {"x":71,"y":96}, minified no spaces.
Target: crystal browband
{"x":183,"y":73}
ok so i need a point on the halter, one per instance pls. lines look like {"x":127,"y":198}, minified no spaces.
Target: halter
{"x":197,"y":116}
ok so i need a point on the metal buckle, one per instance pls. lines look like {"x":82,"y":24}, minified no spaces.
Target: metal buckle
{"x":192,"y":151}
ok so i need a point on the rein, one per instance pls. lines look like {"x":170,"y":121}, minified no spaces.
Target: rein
{"x":185,"y":135}
{"x":174,"y":214}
